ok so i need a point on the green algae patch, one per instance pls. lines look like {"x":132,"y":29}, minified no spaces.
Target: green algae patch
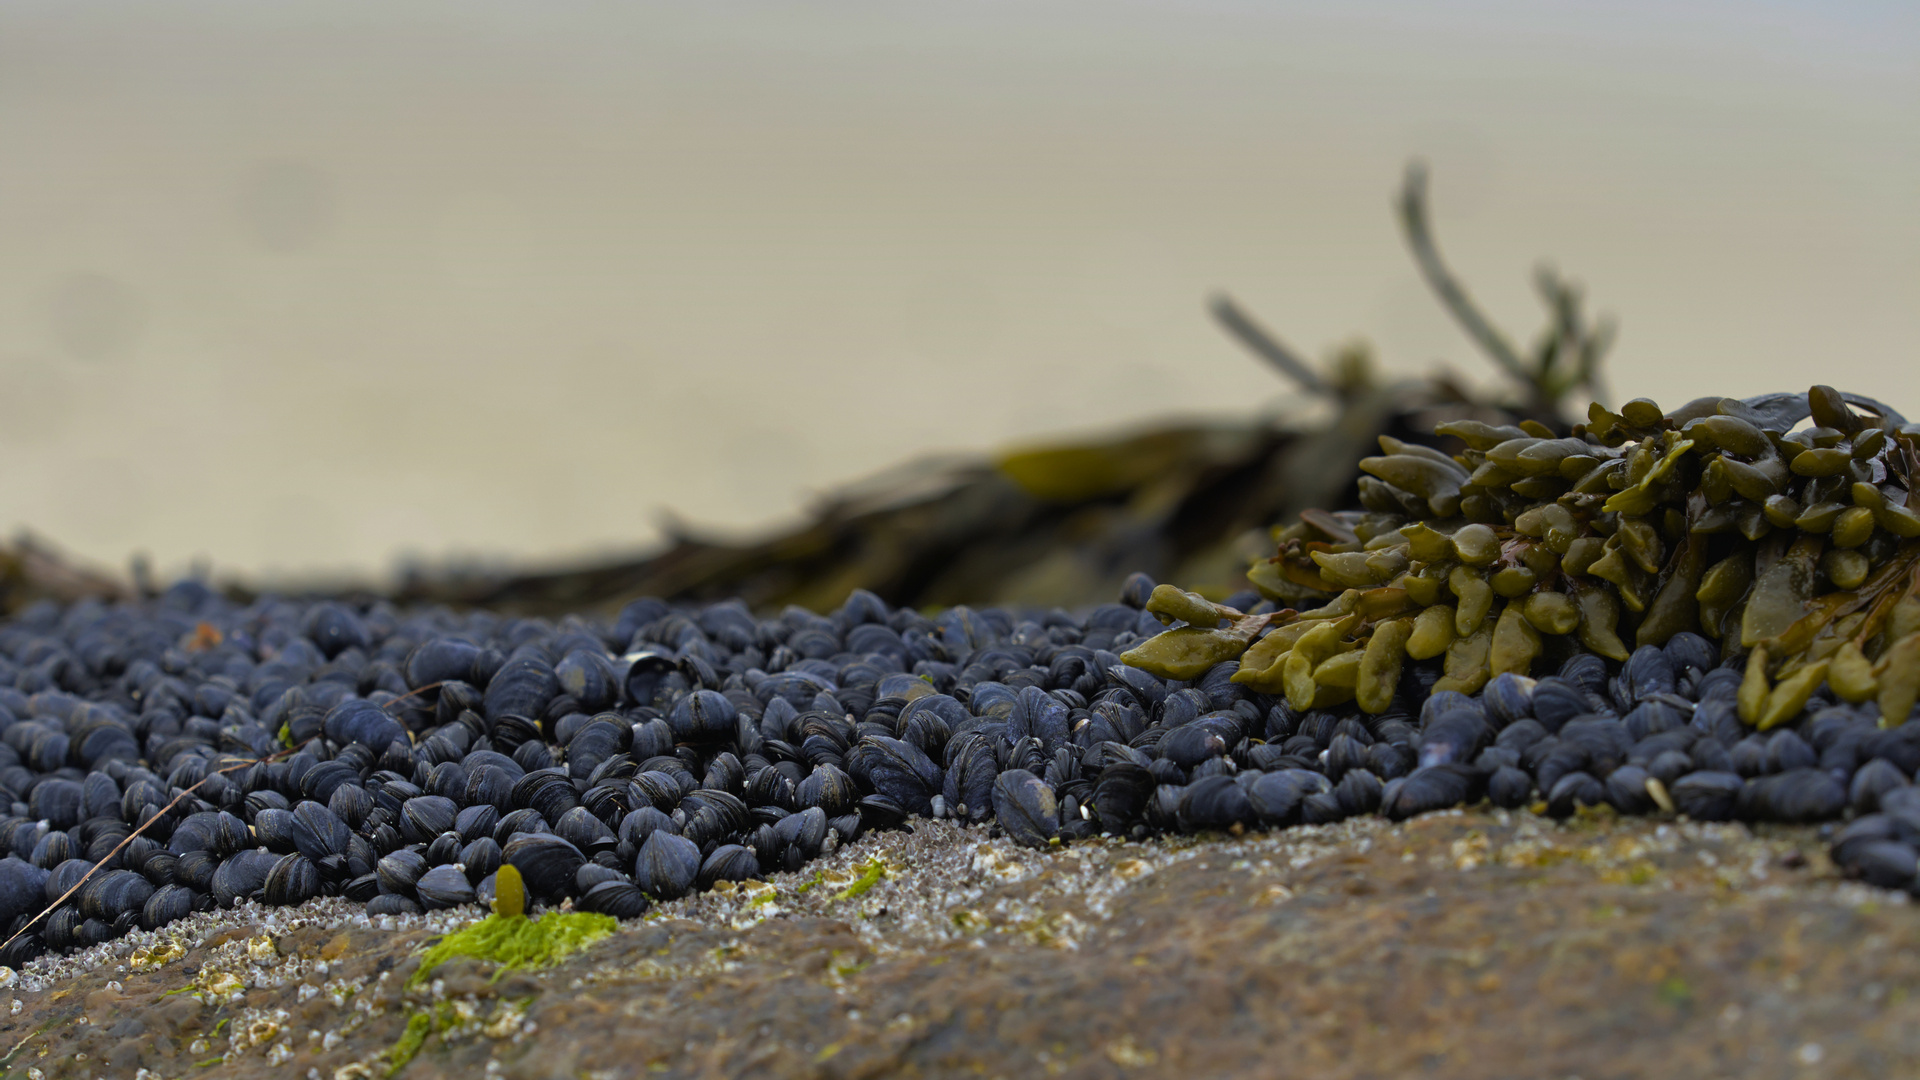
{"x":512,"y":940}
{"x":411,"y":1040}
{"x":874,"y":873}
{"x":515,"y":941}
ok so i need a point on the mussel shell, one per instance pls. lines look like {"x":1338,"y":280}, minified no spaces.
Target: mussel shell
{"x":444,"y":849}
{"x":61,"y":803}
{"x":667,"y":865}
{"x":400,"y":869}
{"x":64,"y":877}
{"x":522,"y":687}
{"x":274,"y":829}
{"x":53,"y":849}
{"x":426,"y":816}
{"x":1509,"y":787}
{"x":702,"y":716}
{"x":242,"y":876}
{"x":1039,"y":715}
{"x":359,"y":720}
{"x":475,"y":822}
{"x":827,"y":787}
{"x":1025,"y":808}
{"x":584,"y":831}
{"x":1120,"y":795}
{"x":729,"y":862}
{"x":112,"y":893}
{"x":1190,"y":744}
{"x":621,"y":899}
{"x":898,"y":770}
{"x":261,"y":799}
{"x":1648,"y":671}
{"x":1322,"y":809}
{"x":1276,"y":796}
{"x":591,"y":874}
{"x":713,"y":817}
{"x":1888,"y":864}
{"x":638,"y":824}
{"x":392,"y":904}
{"x":1871,"y":781}
{"x":545,"y":861}
{"x":481,"y":858}
{"x":195,"y":869}
{"x":362,"y":888}
{"x":1574,"y":790}
{"x":167,"y":904}
{"x":61,"y":930}
{"x":1214,"y":802}
{"x":1652,"y":717}
{"x":549,"y":792}
{"x":1707,"y":795}
{"x":1507,"y":698}
{"x":589,"y":677}
{"x":323,"y":780}
{"x":350,"y":803}
{"x":439,"y":660}
{"x":293,"y":880}
{"x":443,"y":887}
{"x":1437,"y":787}
{"x":1554,"y":701}
{"x":1359,"y":792}
{"x":1452,"y":737}
{"x":1797,"y":796}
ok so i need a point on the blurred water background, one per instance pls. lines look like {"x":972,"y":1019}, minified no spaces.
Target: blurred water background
{"x":308,"y":288}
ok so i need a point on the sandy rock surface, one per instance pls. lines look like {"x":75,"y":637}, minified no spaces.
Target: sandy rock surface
{"x":1472,"y":943}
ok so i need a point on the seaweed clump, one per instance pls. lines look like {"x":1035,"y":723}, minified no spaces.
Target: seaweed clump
{"x":1797,"y":544}
{"x":510,"y":938}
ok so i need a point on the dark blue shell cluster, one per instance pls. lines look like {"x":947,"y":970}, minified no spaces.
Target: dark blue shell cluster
{"x":282,"y":750}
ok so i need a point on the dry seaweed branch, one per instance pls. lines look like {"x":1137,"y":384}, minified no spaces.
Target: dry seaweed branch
{"x":1568,"y":353}
{"x":1264,"y":345}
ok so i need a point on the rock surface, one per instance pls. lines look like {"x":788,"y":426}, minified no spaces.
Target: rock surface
{"x":1470,"y":943}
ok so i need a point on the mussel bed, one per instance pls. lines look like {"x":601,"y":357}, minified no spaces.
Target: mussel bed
{"x":286,"y":749}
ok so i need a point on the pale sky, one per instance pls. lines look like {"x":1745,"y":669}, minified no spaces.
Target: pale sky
{"x":297,"y":288}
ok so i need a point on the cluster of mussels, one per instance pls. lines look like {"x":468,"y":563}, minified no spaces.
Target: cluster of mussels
{"x":186,"y":752}
{"x":174,"y":754}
